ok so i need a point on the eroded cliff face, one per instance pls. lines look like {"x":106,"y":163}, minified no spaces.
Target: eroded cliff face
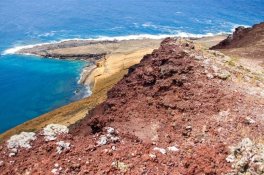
{"x":177,"y":112}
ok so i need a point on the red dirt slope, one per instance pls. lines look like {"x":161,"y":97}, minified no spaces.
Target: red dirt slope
{"x":169,"y":116}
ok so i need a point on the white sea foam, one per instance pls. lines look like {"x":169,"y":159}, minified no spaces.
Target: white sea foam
{"x":52,"y":33}
{"x":16,"y":49}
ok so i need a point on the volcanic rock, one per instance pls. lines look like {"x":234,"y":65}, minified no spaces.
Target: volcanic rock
{"x":242,"y":36}
{"x":166,"y":99}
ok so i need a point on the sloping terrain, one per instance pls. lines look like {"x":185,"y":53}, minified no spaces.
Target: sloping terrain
{"x":245,"y":45}
{"x":177,"y":112}
{"x":243,"y":37}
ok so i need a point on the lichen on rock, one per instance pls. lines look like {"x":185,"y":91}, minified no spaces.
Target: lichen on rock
{"x":52,"y":130}
{"x":223,"y":74}
{"x":21,"y":140}
{"x":247,"y":157}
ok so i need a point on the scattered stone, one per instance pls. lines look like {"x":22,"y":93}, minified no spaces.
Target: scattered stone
{"x":111,"y":136}
{"x":12,"y":154}
{"x":161,"y":150}
{"x":27,"y":172}
{"x":62,"y":146}
{"x":102,"y":140}
{"x":230,"y":158}
{"x":110,"y":130}
{"x":113,"y":148}
{"x":249,"y":120}
{"x":21,"y":140}
{"x":120,"y":166}
{"x":55,"y":171}
{"x":75,"y":167}
{"x":198,"y":57}
{"x":187,"y":131}
{"x":210,"y":76}
{"x":153,"y":156}
{"x":114,"y":139}
{"x":247,"y":157}
{"x":52,"y":130}
{"x":223,"y":74}
{"x":173,"y":149}
{"x":14,"y":150}
{"x":189,"y":127}
{"x":1,"y":163}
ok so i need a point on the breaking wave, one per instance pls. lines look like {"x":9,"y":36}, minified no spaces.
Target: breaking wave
{"x":16,"y":49}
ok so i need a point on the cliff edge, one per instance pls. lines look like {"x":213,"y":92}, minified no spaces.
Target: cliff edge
{"x":181,"y":110}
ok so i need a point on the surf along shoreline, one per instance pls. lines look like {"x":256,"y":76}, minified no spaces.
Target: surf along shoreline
{"x":110,"y":60}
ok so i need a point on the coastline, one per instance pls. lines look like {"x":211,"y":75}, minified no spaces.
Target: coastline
{"x":105,"y":72}
{"x":16,"y":49}
{"x":106,"y":58}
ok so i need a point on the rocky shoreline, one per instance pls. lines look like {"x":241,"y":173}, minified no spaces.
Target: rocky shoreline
{"x":97,"y":53}
{"x":49,"y":50}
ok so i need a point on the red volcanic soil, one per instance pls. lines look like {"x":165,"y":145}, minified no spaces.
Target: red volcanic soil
{"x":168,"y":104}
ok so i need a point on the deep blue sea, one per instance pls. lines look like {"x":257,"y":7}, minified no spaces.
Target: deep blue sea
{"x":30,"y":86}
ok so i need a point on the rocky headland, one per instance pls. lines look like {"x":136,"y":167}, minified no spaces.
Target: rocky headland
{"x":184,"y":109}
{"x":106,"y":58}
{"x":245,"y":45}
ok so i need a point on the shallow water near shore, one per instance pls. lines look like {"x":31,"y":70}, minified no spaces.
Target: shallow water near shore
{"x":31,"y":86}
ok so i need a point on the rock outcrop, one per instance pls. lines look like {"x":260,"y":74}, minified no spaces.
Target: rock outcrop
{"x":243,"y":37}
{"x":247,"y":42}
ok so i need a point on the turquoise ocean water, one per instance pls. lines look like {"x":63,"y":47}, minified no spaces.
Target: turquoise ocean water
{"x":30,"y":86}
